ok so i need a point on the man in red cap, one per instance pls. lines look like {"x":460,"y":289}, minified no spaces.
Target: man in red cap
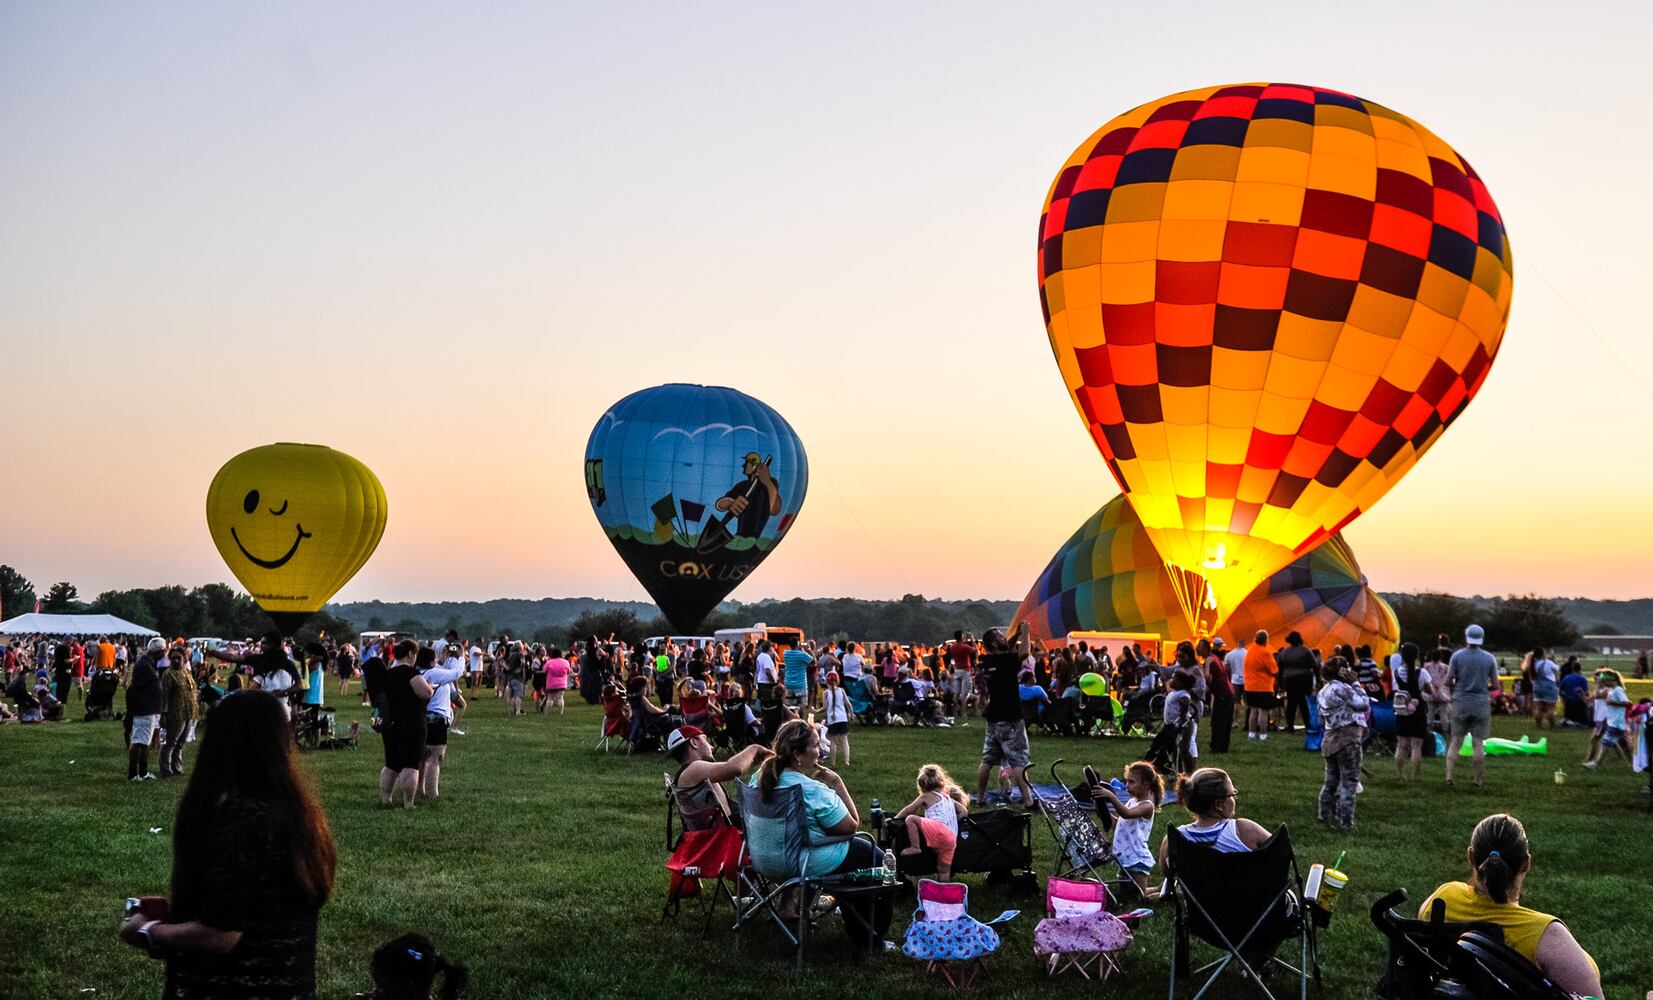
{"x":701,"y":800}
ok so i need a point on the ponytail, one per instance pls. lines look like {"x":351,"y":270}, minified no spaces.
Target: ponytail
{"x":1498,"y":851}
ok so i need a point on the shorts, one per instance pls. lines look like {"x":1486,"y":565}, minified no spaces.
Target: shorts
{"x":1260,"y":699}
{"x":539,"y":682}
{"x":1546,"y":691}
{"x":939,"y":839}
{"x":513,"y":687}
{"x":404,"y":745}
{"x":143,"y":729}
{"x":1476,"y":722}
{"x":1614,"y":736}
{"x":436,"y":731}
{"x":1005,"y":744}
{"x":963,"y":684}
{"x":837,"y":729}
{"x":1137,"y":869}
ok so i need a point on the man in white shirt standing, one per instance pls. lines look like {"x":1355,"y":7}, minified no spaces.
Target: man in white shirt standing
{"x":854,"y":666}
{"x":765,"y":677}
{"x":1234,"y":660}
{"x":475,"y":665}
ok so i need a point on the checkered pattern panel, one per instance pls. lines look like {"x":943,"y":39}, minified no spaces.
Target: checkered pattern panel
{"x":1267,"y":301}
{"x":1108,"y":577}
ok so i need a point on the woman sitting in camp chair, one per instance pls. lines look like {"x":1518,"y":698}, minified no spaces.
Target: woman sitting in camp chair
{"x":1212,"y":799}
{"x":1245,"y":906}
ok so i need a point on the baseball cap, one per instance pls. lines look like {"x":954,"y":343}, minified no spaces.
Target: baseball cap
{"x":156,"y":644}
{"x":680,"y":736}
{"x":1474,"y":635}
{"x":1218,"y":643}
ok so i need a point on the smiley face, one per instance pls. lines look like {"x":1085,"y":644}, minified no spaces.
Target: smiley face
{"x":250,"y":505}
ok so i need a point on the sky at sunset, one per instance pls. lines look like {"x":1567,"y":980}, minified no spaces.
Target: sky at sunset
{"x":444,"y":238}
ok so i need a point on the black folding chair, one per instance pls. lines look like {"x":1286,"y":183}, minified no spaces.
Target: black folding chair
{"x":1245,"y":904}
{"x":763,"y":884}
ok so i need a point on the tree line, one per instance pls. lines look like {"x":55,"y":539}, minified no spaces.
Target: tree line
{"x":212,"y":609}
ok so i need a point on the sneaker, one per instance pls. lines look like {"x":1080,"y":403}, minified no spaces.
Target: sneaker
{"x":135,"y":777}
{"x":891,"y":946}
{"x":457,"y":732}
{"x":1590,"y":763}
{"x":147,"y":777}
{"x":1250,"y":735}
{"x":1263,"y":737}
{"x":1360,"y":789}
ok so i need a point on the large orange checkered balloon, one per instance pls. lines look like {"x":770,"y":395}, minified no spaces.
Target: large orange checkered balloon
{"x":1268,"y":301}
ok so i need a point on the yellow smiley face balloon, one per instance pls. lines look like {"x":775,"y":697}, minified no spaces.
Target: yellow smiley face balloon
{"x":294,"y":522}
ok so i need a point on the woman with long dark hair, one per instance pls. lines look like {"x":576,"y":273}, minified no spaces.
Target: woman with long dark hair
{"x":1412,"y":684}
{"x":252,"y":864}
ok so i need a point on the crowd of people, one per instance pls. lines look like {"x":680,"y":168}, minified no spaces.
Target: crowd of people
{"x":784,"y":716}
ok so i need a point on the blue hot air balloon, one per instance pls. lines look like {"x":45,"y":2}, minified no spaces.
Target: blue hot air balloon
{"x":694,"y":485}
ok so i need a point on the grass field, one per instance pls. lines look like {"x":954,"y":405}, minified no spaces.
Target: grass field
{"x":541,"y":865}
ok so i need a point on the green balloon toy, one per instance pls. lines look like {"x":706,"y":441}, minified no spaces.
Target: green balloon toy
{"x":1094,"y":685}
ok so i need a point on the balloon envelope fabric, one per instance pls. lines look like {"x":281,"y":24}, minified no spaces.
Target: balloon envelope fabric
{"x":694,"y":486}
{"x":1108,"y":578}
{"x":1267,"y":301}
{"x":294,"y":522}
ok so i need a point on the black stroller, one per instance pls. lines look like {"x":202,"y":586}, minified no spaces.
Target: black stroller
{"x":100,"y":697}
{"x":1437,"y":960}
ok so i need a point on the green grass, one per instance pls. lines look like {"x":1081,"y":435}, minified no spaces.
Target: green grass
{"x":541,"y":865}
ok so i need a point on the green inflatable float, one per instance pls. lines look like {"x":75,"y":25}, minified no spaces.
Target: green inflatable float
{"x":1502,"y":748}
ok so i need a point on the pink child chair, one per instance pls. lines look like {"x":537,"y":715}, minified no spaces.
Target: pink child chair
{"x":1078,"y":931}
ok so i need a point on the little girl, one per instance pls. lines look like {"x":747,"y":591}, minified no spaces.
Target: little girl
{"x":837,"y":717}
{"x":1136,"y":819}
{"x":933,"y":817}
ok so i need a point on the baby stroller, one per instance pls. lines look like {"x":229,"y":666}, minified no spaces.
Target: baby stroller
{"x":1081,"y":835}
{"x":100,"y":697}
{"x":1438,"y":960}
{"x":1169,"y":750}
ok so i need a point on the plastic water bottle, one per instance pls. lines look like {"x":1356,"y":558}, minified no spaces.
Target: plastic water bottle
{"x":889,"y":867}
{"x":877,"y":813}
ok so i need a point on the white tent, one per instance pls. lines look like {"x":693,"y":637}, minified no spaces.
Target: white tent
{"x":31,"y":624}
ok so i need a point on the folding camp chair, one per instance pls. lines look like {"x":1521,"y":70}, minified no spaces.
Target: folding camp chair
{"x":615,"y":724}
{"x":1246,"y":904}
{"x":782,"y":818}
{"x":711,"y":852}
{"x":946,"y":938}
{"x":1078,"y":932}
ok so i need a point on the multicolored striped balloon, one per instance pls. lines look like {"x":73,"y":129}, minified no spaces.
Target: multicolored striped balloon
{"x":1108,"y":577}
{"x":1267,"y":301}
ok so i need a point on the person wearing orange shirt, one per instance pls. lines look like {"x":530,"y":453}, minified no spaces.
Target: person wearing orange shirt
{"x":1260,"y":674}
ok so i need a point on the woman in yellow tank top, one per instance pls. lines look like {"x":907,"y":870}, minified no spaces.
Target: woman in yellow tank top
{"x":1499,"y":859}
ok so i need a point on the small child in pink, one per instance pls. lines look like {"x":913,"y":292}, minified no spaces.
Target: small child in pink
{"x":933,"y":817}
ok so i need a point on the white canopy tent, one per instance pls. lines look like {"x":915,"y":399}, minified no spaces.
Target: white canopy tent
{"x":33,"y":623}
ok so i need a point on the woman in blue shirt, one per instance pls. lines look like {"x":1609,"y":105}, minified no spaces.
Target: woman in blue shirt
{"x":829,"y":811}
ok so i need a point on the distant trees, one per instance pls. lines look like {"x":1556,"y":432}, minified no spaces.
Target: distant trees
{"x":1522,"y":623}
{"x":62,"y":599}
{"x":16,"y":593}
{"x":1515,"y":623}
{"x":1427,"y":615}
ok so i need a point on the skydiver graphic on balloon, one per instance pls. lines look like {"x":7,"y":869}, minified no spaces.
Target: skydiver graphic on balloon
{"x":748,"y":505}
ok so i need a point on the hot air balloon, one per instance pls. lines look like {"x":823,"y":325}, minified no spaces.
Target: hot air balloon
{"x":1267,"y":302}
{"x":294,"y":522}
{"x":1107,"y":577}
{"x":694,"y":486}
